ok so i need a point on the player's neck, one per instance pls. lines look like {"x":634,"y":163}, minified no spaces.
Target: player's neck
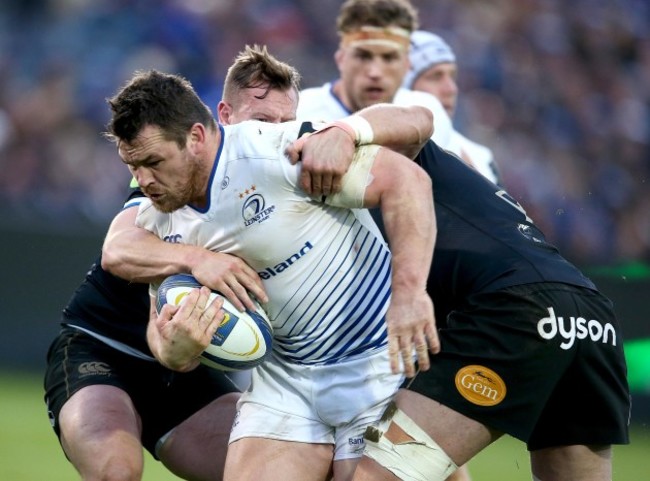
{"x":338,"y":90}
{"x":207,"y":166}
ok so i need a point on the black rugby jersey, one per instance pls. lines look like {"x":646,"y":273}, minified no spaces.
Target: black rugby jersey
{"x":485,"y":240}
{"x":111,"y":306}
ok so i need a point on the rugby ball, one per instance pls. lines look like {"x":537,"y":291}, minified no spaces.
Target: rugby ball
{"x":242,"y":341}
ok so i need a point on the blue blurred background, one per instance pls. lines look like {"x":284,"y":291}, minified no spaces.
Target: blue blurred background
{"x":560,"y":91}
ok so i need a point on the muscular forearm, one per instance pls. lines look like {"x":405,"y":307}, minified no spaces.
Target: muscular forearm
{"x":406,"y":203}
{"x":138,"y":255}
{"x":410,"y":225}
{"x":403,"y":129}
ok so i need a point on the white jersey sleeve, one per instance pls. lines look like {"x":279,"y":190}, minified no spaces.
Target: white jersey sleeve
{"x":320,"y":104}
{"x":481,"y":157}
{"x":442,"y":127}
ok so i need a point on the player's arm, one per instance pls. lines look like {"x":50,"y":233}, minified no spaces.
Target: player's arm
{"x":326,"y":155}
{"x":179,"y":334}
{"x":402,"y":129}
{"x":402,"y":190}
{"x":135,"y":254}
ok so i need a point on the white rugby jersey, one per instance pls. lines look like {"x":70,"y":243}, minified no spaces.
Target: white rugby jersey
{"x":320,"y":103}
{"x":481,"y":156}
{"x":326,"y":274}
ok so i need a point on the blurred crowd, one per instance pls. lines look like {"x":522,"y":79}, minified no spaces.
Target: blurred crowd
{"x":559,"y":90}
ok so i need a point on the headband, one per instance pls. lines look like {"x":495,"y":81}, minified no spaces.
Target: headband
{"x":393,"y":37}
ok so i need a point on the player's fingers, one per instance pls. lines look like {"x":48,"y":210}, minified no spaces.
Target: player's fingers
{"x":422,"y":352}
{"x":305,"y":181}
{"x":204,"y":299}
{"x":188,"y":304}
{"x":406,"y":351}
{"x":294,"y":150}
{"x":393,"y":353}
{"x":337,"y":183}
{"x":249,"y":282}
{"x":240,"y":297}
{"x":166,"y":314}
{"x":433,"y":340}
{"x":316,"y":185}
{"x":407,"y":359}
{"x":213,"y":316}
{"x":326,"y":185}
{"x":237,"y":296}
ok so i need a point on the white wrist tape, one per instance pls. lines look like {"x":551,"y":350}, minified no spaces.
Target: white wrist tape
{"x":364,"y":134}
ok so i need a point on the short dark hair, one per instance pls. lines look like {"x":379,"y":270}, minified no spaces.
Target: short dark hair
{"x":159,"y":99}
{"x":256,"y":67}
{"x":355,"y":14}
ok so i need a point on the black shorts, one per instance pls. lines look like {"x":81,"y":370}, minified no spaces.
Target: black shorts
{"x":541,"y":362}
{"x":163,"y":398}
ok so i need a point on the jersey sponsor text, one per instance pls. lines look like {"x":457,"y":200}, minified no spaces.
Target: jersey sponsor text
{"x":269,"y":272}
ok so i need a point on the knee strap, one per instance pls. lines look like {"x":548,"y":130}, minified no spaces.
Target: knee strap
{"x":419,"y":459}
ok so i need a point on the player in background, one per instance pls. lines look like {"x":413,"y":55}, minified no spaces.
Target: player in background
{"x":372,"y":59}
{"x":326,"y":273}
{"x":529,"y":348}
{"x":434,"y":70}
{"x":107,"y":397}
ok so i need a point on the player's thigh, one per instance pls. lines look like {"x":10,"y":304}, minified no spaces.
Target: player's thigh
{"x":572,"y":463}
{"x":99,"y":422}
{"x":459,"y":436}
{"x":196,"y":448}
{"x":252,"y":459}
{"x":461,"y":474}
{"x":344,"y":469}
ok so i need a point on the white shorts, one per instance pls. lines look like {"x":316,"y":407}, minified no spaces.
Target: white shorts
{"x":317,"y":404}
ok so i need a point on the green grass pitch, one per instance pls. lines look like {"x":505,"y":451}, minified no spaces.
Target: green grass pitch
{"x":29,"y":450}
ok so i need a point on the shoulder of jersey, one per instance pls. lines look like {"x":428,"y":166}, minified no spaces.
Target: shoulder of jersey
{"x":318,"y":90}
{"x":243,"y":339}
{"x":474,"y":147}
{"x":442,"y":133}
{"x":416,"y":97}
{"x":313,"y":100}
{"x":254,"y":137}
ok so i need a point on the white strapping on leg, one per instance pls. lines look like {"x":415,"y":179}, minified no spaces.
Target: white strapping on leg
{"x":420,"y":459}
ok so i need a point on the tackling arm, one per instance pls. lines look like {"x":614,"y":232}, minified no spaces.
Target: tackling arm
{"x":402,"y":129}
{"x":138,"y":255}
{"x":402,"y":190}
{"x":326,"y":156}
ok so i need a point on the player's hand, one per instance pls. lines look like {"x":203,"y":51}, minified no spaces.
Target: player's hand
{"x":230,"y":276}
{"x":411,"y":329}
{"x":181,"y":333}
{"x":326,"y":156}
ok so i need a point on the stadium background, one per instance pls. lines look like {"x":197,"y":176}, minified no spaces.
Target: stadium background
{"x":560,"y":91}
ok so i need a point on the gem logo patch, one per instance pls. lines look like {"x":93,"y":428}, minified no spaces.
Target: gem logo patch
{"x":480,"y":385}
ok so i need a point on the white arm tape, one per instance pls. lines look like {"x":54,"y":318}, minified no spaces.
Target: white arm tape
{"x":362,"y":129}
{"x":356,"y":179}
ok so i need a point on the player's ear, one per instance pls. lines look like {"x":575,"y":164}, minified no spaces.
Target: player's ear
{"x":338,"y":57}
{"x":197,"y":137}
{"x":224,"y":112}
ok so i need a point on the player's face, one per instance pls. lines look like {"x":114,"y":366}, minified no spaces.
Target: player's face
{"x":370,"y":74}
{"x":273,"y":106}
{"x":440,"y":81}
{"x":169,"y":176}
